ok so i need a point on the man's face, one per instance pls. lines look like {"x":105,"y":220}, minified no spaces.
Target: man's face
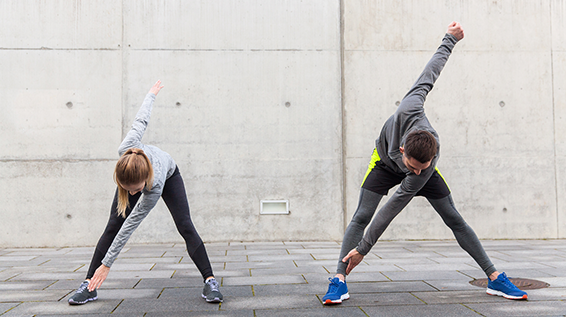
{"x":413,"y":165}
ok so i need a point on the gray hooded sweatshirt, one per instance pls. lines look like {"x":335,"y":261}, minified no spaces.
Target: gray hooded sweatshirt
{"x":409,"y":116}
{"x":163,"y":167}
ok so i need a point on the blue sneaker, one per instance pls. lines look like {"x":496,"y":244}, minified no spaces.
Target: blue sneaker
{"x":337,"y":291}
{"x":502,"y":286}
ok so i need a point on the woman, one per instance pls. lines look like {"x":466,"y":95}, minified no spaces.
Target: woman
{"x":146,"y":172}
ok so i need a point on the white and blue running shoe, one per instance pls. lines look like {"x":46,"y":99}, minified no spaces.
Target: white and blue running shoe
{"x":502,"y":286}
{"x":337,"y":292}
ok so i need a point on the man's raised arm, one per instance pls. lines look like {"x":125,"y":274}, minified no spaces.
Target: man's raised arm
{"x":417,"y":94}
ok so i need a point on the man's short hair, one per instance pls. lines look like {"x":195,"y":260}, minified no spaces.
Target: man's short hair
{"x":420,"y":145}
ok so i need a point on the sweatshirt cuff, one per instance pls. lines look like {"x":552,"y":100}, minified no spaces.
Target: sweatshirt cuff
{"x":451,"y":38}
{"x":106,"y":262}
{"x":363,"y":248}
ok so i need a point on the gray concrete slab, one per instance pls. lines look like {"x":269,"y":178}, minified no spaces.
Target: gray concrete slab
{"x":257,"y":265}
{"x":97,"y":315}
{"x":164,"y":305}
{"x":457,"y":297}
{"x":161,"y":283}
{"x":195,"y":292}
{"x":420,"y":311}
{"x":289,"y":270}
{"x":153,"y":260}
{"x":231,"y":313}
{"x":315,"y":312}
{"x":451,"y":285}
{"x":425,"y":275}
{"x":389,"y":287}
{"x":383,"y":299}
{"x":284,"y":257}
{"x":413,"y":280}
{"x":261,"y":280}
{"x":108,"y":284}
{"x":32,"y":295}
{"x":521,"y":308}
{"x":258,"y":252}
{"x":62,"y":308}
{"x":283,"y":301}
{"x":4,"y":307}
{"x":282,"y":289}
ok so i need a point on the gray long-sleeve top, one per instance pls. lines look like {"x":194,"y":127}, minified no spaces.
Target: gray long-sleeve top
{"x":163,"y":167}
{"x":409,"y":116}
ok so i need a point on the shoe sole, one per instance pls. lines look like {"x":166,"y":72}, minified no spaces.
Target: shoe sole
{"x":215,"y":300}
{"x":336,"y":301}
{"x":71,"y":302}
{"x":499,"y":293}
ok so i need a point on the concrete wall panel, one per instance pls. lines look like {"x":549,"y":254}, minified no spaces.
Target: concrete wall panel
{"x":558,"y":24}
{"x":232,"y":25}
{"x":54,"y":202}
{"x":61,"y":104}
{"x":559,"y":62}
{"x":237,"y":142}
{"x":60,"y":24}
{"x":399,"y":25}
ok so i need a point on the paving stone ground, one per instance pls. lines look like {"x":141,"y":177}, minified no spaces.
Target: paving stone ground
{"x":398,"y":278}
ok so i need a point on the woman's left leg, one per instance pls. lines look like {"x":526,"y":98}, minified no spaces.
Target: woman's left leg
{"x":175,"y":198}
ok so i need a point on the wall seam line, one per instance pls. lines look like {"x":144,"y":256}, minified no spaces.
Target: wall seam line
{"x":554,"y":126}
{"x":342,"y":118}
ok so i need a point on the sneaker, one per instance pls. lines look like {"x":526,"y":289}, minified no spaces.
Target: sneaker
{"x":337,"y":292}
{"x":211,"y":291}
{"x":502,"y":286}
{"x":82,"y":296}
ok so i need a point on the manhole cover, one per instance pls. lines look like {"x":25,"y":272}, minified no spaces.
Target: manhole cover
{"x":521,"y":283}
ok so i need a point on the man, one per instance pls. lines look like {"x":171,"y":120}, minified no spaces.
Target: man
{"x":406,"y":153}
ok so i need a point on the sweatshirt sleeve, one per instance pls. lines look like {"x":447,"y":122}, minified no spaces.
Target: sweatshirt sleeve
{"x":134,"y":136}
{"x":420,"y":89}
{"x":131,"y":223}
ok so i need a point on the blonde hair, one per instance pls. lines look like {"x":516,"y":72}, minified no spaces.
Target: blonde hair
{"x":132,"y":168}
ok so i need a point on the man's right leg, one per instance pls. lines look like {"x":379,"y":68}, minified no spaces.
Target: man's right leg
{"x":82,"y":295}
{"x":337,"y":290}
{"x":367,"y":205}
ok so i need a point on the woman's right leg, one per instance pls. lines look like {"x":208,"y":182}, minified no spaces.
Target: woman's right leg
{"x":114,"y":224}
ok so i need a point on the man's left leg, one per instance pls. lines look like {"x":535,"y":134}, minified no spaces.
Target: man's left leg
{"x":498,"y":284}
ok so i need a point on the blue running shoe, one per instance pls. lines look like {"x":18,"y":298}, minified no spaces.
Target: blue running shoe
{"x":337,"y":291}
{"x":502,"y":286}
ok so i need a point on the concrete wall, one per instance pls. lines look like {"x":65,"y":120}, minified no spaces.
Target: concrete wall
{"x":277,"y":99}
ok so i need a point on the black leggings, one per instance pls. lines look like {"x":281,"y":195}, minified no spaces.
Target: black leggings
{"x":175,"y":198}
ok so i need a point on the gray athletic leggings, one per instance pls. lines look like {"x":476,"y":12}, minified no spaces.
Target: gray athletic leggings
{"x":367,"y":205}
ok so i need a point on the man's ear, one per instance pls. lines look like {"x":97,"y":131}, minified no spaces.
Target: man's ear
{"x":402,"y":150}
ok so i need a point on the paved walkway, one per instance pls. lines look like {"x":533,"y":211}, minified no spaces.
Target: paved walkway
{"x":407,"y":278}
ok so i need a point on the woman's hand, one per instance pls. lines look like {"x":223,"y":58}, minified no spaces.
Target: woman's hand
{"x":99,"y":276}
{"x":355,"y":258}
{"x":156,"y":88}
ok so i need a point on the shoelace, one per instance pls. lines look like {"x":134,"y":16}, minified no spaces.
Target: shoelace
{"x":82,"y":287}
{"x":508,"y":283}
{"x":333,"y":287}
{"x":213,"y":285}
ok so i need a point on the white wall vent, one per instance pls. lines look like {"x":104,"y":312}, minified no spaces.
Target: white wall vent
{"x":274,"y":207}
